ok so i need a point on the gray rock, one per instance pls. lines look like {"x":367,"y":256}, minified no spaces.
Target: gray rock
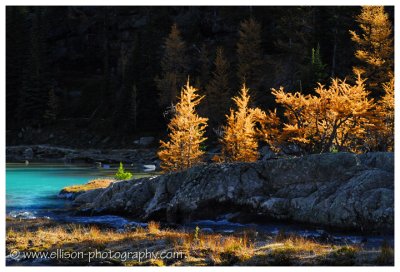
{"x":266,"y":153}
{"x":340,"y":190}
{"x":145,"y":141}
{"x":28,"y":153}
{"x":47,"y":153}
{"x":207,"y":230}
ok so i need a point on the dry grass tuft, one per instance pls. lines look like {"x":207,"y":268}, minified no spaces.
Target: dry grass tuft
{"x":90,"y":185}
{"x":153,"y":227}
{"x":216,"y":248}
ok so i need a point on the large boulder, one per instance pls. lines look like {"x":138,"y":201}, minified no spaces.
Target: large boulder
{"x":339,"y":190}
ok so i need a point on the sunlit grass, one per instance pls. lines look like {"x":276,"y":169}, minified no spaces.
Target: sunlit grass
{"x":199,"y":248}
{"x":90,"y":185}
{"x":153,"y":227}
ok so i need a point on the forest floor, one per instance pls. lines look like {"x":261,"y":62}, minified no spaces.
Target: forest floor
{"x":73,"y":244}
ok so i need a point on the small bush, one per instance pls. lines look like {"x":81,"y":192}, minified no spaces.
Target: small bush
{"x":386,"y":256}
{"x":122,"y":174}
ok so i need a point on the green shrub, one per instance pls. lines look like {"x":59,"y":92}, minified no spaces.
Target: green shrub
{"x":121,"y":174}
{"x":196,"y":234}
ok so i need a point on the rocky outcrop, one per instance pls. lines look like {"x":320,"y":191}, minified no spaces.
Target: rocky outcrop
{"x":340,"y":190}
{"x":46,"y":153}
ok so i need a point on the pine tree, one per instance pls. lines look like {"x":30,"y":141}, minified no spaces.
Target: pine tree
{"x":203,"y":76}
{"x":294,"y":42}
{"x":16,"y":44}
{"x":239,"y":142}
{"x":249,"y":52}
{"x":374,"y":47}
{"x":217,"y":91}
{"x":52,"y":106}
{"x":204,"y":67}
{"x":34,"y":93}
{"x":318,"y":72}
{"x":174,"y":68}
{"x":186,"y":133}
{"x":133,"y":107}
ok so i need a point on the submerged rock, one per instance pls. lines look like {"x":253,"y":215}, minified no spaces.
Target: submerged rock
{"x":339,"y":190}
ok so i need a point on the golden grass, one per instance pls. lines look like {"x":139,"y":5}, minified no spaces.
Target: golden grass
{"x":199,"y":248}
{"x":90,"y":185}
{"x":300,"y":244}
{"x":153,"y":227}
{"x":218,"y":249}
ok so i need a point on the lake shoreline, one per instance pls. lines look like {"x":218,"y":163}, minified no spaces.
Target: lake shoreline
{"x":56,"y":154}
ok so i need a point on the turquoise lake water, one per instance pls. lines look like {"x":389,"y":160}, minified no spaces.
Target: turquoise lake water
{"x":34,"y":188}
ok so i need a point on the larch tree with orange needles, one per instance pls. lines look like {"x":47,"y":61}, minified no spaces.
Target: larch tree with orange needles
{"x":381,"y":136}
{"x":269,"y":129}
{"x":187,"y":128}
{"x":338,"y":116}
{"x":375,"y":47}
{"x":239,"y":142}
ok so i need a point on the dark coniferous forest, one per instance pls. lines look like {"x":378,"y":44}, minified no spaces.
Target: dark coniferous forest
{"x":103,"y":76}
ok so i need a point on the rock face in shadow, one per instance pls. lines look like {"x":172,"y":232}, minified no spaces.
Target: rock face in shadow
{"x":46,"y":153}
{"x":340,"y":190}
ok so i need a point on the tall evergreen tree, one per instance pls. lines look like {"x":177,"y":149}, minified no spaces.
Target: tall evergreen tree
{"x":217,"y":91}
{"x":375,"y":47}
{"x":34,"y":96}
{"x":174,"y":67}
{"x":204,"y":67}
{"x":294,"y":34}
{"x":16,"y":48}
{"x":133,"y":108}
{"x":52,"y":106}
{"x":249,"y":52}
{"x":317,"y":69}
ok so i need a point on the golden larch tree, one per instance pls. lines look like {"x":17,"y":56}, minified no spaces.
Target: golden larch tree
{"x":381,"y":136}
{"x":187,"y":128}
{"x":249,"y":52}
{"x":239,"y":142}
{"x":174,"y":66}
{"x":269,"y":129}
{"x":337,"y":116}
{"x":374,"y":47}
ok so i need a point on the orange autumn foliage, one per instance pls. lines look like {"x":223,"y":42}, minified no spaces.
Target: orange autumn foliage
{"x":187,"y":130}
{"x":375,"y":47}
{"x":239,"y":142}
{"x":381,"y":136}
{"x":269,"y":128}
{"x":336,"y":117}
